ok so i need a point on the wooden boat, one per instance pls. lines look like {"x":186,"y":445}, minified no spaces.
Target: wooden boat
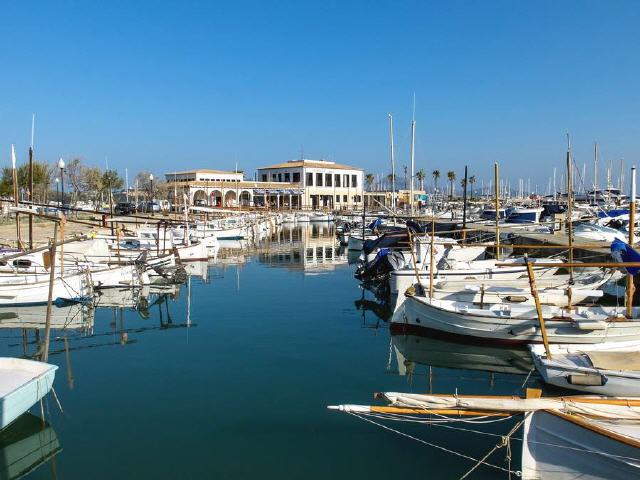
{"x":511,"y":323}
{"x":611,"y":369}
{"x":564,"y":438}
{"x":23,"y":291}
{"x":402,"y":279}
{"x":557,"y":446}
{"x":22,"y":384}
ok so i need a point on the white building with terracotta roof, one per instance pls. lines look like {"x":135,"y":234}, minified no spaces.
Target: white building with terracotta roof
{"x":324,"y":183}
{"x":298,"y":184}
{"x":204,"y":175}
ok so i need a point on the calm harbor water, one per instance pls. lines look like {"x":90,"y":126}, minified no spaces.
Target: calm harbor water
{"x":229,"y":376}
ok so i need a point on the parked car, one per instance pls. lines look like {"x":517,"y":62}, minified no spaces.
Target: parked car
{"x":125,"y":208}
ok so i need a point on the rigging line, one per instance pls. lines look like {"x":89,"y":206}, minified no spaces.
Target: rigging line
{"x":504,"y":442}
{"x":419,"y":440}
{"x":440,"y":418}
{"x":533,"y":369}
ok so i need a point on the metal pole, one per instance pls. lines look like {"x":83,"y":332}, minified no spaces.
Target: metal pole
{"x":31,"y":196}
{"x":570,"y":209}
{"x":62,"y":181}
{"x":413,"y":143}
{"x":464,"y":200}
{"x":496,"y":175}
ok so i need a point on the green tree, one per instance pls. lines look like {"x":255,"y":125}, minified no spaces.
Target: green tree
{"x":436,"y":177}
{"x":472,"y":180}
{"x":369,"y":178}
{"x":41,"y":180}
{"x":110,"y":180}
{"x":391,"y":178}
{"x":451,"y":176}
{"x":420,"y":175}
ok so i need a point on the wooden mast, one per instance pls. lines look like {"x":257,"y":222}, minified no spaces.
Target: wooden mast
{"x":632,"y":219}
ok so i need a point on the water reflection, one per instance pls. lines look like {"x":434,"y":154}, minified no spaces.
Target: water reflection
{"x":25,"y":445}
{"x":312,"y":248}
{"x":413,"y":350}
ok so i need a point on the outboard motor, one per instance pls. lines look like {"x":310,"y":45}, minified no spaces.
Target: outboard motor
{"x":381,"y":266}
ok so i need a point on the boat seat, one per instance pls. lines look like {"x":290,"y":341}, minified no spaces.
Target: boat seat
{"x":615,"y":360}
{"x":590,"y":324}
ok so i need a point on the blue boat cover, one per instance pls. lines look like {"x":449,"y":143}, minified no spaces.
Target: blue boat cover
{"x":622,"y":253}
{"x":613,"y":213}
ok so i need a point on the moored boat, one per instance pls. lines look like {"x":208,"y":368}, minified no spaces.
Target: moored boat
{"x":22,"y":384}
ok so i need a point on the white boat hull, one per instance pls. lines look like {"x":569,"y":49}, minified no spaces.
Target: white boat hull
{"x":474,"y":325}
{"x":571,"y":368}
{"x":557,"y":449}
{"x":22,"y":384}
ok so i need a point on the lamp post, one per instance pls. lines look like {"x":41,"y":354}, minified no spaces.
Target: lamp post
{"x":151,"y":192}
{"x":58,"y":190}
{"x":61,"y":167}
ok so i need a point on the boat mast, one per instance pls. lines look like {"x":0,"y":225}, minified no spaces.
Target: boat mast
{"x":496,"y":174}
{"x":570,"y":213}
{"x":413,"y":143}
{"x":31,"y":199}
{"x":595,"y":173}
{"x":393,"y":165}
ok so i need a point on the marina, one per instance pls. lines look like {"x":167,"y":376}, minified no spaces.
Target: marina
{"x":320,"y":240}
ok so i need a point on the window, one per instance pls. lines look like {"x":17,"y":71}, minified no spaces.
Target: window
{"x":309,"y":179}
{"x":337,"y":198}
{"x":274,"y":177}
{"x":296,"y":177}
{"x":346,"y":180}
{"x":287,"y":177}
{"x":337,"y":179}
{"x":328,"y":180}
{"x":318,"y":179}
{"x":354,"y":181}
{"x":279,"y":177}
{"x":356,"y":199}
{"x":264,"y":177}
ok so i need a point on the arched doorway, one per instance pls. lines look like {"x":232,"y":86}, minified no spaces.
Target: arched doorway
{"x":245,"y":198}
{"x":199,"y":198}
{"x":215,"y":198}
{"x":230,"y":199}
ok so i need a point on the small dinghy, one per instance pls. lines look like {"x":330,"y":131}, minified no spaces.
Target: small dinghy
{"x":611,"y":369}
{"x":22,"y":384}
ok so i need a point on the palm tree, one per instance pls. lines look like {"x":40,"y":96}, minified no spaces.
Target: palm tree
{"x":436,"y":176}
{"x":472,"y":180}
{"x":369,"y":178}
{"x":391,"y":178}
{"x":421,"y":176}
{"x":451,"y":176}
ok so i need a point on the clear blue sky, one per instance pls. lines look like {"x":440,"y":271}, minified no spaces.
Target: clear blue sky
{"x":163,"y":85}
